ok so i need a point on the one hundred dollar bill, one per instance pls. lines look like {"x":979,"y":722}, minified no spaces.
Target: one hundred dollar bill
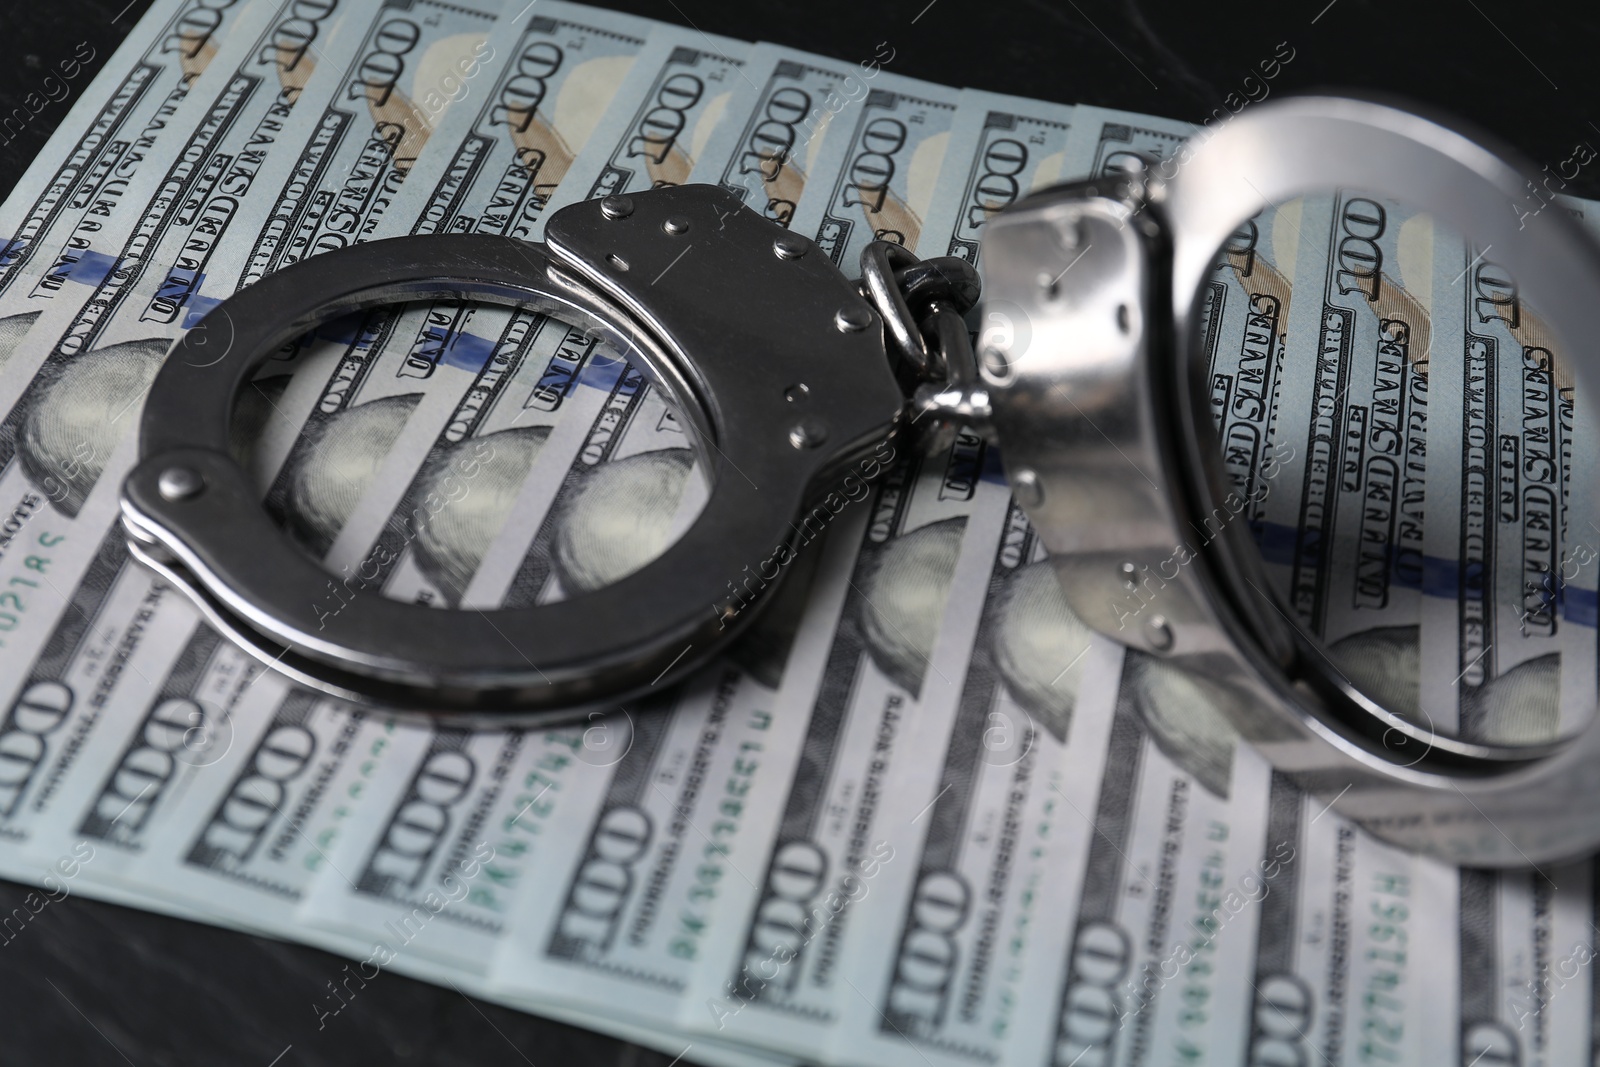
{"x":593,"y":402}
{"x":683,"y":85}
{"x":492,"y":169}
{"x":78,"y":412}
{"x":1580,"y":560}
{"x":74,"y":414}
{"x":65,"y":210}
{"x":1522,"y":935}
{"x":194,"y":706}
{"x":777,"y":976}
{"x":462,"y":494}
{"x":1503,"y":431}
{"x":254,"y":828}
{"x":171,"y":219}
{"x":684,"y":821}
{"x":691,"y":880}
{"x":156,"y":746}
{"x":1160,"y":929}
{"x":1343,"y":530}
{"x":440,"y":852}
{"x":950,"y":958}
{"x":504,"y":158}
{"x":881,"y":158}
{"x":1002,"y":148}
{"x":765,"y":158}
{"x":1355,"y":962}
{"x":495,"y":158}
{"x":106,"y":652}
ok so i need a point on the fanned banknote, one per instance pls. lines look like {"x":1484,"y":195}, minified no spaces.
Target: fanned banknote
{"x":1503,"y":448}
{"x":960,"y":951}
{"x":1344,"y":523}
{"x":764,"y":159}
{"x":880,"y":159}
{"x":775,"y":972}
{"x":63,"y":215}
{"x":1001,"y":149}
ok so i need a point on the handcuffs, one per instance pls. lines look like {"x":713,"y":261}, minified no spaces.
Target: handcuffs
{"x":795,"y":375}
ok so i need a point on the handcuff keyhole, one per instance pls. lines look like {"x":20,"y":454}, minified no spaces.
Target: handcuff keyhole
{"x":616,"y":261}
{"x":1123,"y":318}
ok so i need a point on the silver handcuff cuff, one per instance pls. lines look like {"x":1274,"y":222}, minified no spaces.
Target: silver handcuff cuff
{"x":793,"y":374}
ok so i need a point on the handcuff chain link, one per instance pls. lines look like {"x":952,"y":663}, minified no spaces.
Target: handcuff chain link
{"x":924,"y":303}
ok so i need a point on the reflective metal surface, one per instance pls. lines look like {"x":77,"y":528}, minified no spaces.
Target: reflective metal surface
{"x":1108,"y":441}
{"x":753,"y":326}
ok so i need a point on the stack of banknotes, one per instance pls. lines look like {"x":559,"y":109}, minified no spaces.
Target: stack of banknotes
{"x":920,"y":815}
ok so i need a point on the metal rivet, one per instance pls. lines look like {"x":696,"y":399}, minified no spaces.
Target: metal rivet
{"x":1159,"y":633}
{"x":1070,"y":230}
{"x":852,"y":319}
{"x":1047,"y":284}
{"x":1026,"y":488}
{"x":1130,"y":574}
{"x":796,"y":393}
{"x":996,"y":362}
{"x":808,"y":433}
{"x":616,"y":207}
{"x":788,"y":246}
{"x":676,"y":225}
{"x":180,"y":483}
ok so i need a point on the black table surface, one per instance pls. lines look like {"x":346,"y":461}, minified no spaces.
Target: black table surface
{"x":88,"y":983}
